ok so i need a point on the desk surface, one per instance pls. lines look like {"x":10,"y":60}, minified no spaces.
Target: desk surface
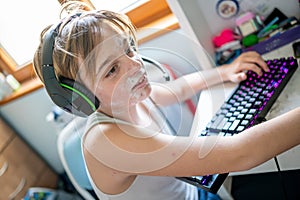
{"x":210,"y":100}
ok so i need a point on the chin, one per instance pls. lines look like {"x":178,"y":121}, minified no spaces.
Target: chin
{"x":142,"y":95}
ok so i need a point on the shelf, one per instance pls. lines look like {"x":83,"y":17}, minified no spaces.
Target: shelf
{"x":26,"y":88}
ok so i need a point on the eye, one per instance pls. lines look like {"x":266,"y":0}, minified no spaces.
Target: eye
{"x":112,"y":71}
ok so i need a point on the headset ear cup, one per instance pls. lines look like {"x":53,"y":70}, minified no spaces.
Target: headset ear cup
{"x":89,"y":102}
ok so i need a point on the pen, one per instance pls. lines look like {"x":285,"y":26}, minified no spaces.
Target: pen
{"x":266,"y":28}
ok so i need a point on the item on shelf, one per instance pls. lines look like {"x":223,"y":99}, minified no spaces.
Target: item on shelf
{"x":250,"y":40}
{"x":13,"y":82}
{"x":233,"y":45}
{"x":5,"y":87}
{"x":227,"y":8}
{"x":226,"y":35}
{"x":248,"y":23}
{"x":276,"y":13}
{"x":269,"y":27}
{"x":276,"y":23}
{"x":227,"y":56}
{"x":278,"y":40}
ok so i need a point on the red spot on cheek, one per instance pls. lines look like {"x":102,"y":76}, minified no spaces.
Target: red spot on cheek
{"x":173,"y":154}
{"x":114,"y":173}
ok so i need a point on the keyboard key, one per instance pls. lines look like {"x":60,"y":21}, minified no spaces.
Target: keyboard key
{"x":245,"y":122}
{"x":206,"y":180}
{"x":222,"y":124}
{"x":231,"y":119}
{"x":245,"y":110}
{"x":215,"y":124}
{"x":226,"y":126}
{"x":228,"y":115}
{"x":240,"y":129}
{"x":240,"y":116}
{"x":249,"y":116}
{"x":234,"y":125}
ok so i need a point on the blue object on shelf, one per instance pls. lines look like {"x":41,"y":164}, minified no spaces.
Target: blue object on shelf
{"x":267,"y":27}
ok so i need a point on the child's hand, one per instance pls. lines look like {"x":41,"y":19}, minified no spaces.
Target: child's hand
{"x":236,"y":71}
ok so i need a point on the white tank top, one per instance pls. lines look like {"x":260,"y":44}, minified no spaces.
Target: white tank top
{"x":144,"y":187}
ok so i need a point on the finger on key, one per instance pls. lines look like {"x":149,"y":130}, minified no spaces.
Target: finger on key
{"x":254,"y":57}
{"x":254,"y":67}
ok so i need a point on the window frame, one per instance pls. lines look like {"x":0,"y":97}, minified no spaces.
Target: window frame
{"x":141,"y":16}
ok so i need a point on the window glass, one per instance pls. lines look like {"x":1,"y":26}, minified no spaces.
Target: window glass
{"x":117,"y":5}
{"x":21,"y":23}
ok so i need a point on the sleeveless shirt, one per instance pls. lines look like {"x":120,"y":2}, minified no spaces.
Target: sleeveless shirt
{"x":143,"y":187}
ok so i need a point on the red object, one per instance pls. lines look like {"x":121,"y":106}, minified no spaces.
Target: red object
{"x":188,"y":102}
{"x":225,"y":36}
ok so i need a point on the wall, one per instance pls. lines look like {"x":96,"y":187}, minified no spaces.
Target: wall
{"x":200,"y":20}
{"x":173,"y":48}
{"x":262,"y":7}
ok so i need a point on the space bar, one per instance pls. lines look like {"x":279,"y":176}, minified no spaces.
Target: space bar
{"x":217,"y":125}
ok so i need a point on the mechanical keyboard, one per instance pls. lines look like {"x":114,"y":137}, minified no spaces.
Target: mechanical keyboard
{"x":247,"y":106}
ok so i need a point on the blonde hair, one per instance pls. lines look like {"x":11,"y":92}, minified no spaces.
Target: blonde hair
{"x":78,"y":34}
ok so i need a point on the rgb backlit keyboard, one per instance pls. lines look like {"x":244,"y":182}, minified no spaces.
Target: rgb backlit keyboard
{"x":247,"y":106}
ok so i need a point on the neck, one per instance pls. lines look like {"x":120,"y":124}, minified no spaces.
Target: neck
{"x":137,"y":114}
{"x":132,"y":113}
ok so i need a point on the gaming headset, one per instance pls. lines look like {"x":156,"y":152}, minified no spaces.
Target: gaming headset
{"x":68,"y":94}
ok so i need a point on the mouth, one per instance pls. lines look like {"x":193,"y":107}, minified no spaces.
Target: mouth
{"x":141,"y":83}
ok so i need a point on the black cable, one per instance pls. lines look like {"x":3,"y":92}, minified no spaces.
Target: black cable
{"x":281,"y":179}
{"x":166,"y":76}
{"x":158,"y":65}
{"x":278,"y":169}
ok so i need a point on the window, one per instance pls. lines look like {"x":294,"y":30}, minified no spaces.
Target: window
{"x":29,"y":17}
{"x":20,"y":29}
{"x":117,"y":5}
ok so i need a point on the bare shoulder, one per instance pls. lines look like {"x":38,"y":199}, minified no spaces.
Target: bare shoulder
{"x":97,"y":157}
{"x":126,"y":137}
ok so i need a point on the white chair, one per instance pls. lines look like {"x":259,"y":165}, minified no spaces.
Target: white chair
{"x":69,"y":150}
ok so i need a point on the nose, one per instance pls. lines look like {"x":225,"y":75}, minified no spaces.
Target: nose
{"x":134,"y":64}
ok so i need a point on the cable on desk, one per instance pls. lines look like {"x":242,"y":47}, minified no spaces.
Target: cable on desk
{"x":281,"y":179}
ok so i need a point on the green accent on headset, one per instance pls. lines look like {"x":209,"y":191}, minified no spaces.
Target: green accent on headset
{"x":80,"y":94}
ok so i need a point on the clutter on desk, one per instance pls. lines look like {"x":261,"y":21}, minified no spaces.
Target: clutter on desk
{"x":254,"y":32}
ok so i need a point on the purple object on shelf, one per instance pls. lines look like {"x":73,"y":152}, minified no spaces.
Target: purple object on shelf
{"x":276,"y":41}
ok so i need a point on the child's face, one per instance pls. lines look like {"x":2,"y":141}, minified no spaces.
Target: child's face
{"x":121,"y":80}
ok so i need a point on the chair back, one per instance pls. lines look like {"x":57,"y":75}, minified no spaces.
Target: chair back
{"x":70,"y":154}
